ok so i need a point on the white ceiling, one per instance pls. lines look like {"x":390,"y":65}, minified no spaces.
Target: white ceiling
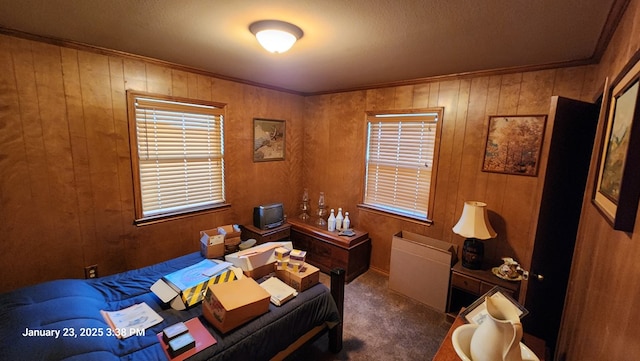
{"x":347,"y":44}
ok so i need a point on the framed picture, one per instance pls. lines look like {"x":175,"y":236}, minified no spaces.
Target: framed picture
{"x":268,"y":140}
{"x":513,"y":144}
{"x":617,"y":188}
{"x":477,"y":311}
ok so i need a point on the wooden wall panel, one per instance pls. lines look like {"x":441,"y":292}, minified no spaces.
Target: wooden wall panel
{"x":66,"y":185}
{"x":467,"y":104}
{"x":601,"y":318}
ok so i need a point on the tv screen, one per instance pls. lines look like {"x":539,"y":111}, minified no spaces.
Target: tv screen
{"x":268,"y":216}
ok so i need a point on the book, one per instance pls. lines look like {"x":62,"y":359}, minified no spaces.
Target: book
{"x":201,"y":335}
{"x":280,"y":292}
{"x":132,"y":320}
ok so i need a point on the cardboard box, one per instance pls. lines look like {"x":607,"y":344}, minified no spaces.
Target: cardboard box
{"x":282,"y":254}
{"x":186,"y":287}
{"x":261,"y":271}
{"x":300,"y":281}
{"x":211,"y":243}
{"x":256,"y":256}
{"x":229,"y":305}
{"x":413,"y":256}
{"x":298,"y":255}
{"x":230,"y":231}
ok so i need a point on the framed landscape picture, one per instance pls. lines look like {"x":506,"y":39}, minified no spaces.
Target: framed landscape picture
{"x":513,"y":144}
{"x":617,"y":188}
{"x":268,"y":140}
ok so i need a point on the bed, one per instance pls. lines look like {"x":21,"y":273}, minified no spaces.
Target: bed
{"x":59,"y":311}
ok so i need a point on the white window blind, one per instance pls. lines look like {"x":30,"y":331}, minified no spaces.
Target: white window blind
{"x":180,"y":155}
{"x":400,"y":162}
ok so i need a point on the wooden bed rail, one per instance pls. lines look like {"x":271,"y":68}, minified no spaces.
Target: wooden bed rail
{"x":337,"y":292}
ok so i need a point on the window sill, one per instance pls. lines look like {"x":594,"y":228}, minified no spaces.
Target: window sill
{"x":175,"y":216}
{"x":420,"y":221}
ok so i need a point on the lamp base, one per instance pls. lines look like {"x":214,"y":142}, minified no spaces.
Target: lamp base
{"x":472,"y":253}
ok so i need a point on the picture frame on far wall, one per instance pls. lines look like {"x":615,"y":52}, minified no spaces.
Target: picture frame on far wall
{"x":513,"y":144}
{"x":268,"y":140}
{"x":617,"y":188}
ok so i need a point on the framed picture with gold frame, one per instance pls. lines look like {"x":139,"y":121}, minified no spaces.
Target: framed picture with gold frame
{"x":617,"y":189}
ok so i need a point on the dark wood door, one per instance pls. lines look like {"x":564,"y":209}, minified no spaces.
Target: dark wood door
{"x":574,"y":125}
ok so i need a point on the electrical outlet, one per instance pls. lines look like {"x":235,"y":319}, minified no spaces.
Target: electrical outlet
{"x":91,"y":271}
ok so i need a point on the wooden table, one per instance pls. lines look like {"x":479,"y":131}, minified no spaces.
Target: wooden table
{"x":327,"y":250}
{"x":467,"y":285}
{"x":265,"y":235}
{"x":446,"y":352}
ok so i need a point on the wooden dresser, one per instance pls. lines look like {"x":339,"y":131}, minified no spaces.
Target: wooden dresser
{"x":326,"y":250}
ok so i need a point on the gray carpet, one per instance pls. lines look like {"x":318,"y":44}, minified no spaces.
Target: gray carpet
{"x":380,"y":324}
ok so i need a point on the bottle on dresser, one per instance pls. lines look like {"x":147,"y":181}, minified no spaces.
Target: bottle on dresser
{"x":346,"y":223}
{"x":331,"y":222}
{"x":339,"y":219}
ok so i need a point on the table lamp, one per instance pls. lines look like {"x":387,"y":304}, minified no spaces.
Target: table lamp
{"x":474,"y":225}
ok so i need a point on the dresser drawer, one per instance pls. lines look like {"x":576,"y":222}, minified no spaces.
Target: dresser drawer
{"x":466,"y":283}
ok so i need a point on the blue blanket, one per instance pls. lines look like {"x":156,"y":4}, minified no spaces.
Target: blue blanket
{"x":58,"y":320}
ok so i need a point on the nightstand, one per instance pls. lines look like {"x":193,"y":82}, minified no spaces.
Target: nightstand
{"x":467,"y":285}
{"x":265,"y":235}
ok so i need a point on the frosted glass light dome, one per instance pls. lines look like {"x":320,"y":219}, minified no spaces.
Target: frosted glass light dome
{"x":276,"y":36}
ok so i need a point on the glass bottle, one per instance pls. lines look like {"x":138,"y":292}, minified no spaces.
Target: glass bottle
{"x":331,"y":222}
{"x":346,"y":224}
{"x":305,"y":204}
{"x":339,"y":219}
{"x":322,"y":212}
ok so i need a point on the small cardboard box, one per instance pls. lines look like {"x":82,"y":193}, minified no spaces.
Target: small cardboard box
{"x":301,"y":281}
{"x":229,"y":305}
{"x":211,"y":243}
{"x":230,"y":231}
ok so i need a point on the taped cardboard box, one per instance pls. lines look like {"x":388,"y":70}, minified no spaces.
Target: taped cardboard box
{"x":186,"y":287}
{"x":300,"y":281}
{"x":229,"y":305}
{"x":211,"y":243}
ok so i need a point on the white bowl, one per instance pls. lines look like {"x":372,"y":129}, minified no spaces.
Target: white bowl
{"x":461,"y":339}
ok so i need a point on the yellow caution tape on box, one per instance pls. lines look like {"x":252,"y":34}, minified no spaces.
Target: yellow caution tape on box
{"x":193,"y":295}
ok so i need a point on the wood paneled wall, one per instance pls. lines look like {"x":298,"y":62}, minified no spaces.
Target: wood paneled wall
{"x":335,"y":146}
{"x":602,"y":318}
{"x":66,"y":194}
{"x":66,"y":191}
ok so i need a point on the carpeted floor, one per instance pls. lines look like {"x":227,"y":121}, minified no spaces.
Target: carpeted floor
{"x":380,"y":324}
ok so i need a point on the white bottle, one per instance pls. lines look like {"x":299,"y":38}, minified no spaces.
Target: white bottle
{"x":339,"y":219}
{"x":331,"y":222}
{"x":347,"y":222}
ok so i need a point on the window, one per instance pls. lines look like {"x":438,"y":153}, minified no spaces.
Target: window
{"x":401,"y":162}
{"x":177,"y":153}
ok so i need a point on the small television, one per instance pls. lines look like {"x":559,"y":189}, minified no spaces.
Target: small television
{"x":268,"y":216}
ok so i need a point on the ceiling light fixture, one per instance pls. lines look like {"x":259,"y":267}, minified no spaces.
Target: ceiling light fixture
{"x":274,"y":35}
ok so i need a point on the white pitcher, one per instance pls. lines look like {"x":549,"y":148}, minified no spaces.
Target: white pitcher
{"x":498,"y":336}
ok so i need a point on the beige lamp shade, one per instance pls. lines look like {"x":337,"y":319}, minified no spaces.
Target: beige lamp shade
{"x":474,"y":222}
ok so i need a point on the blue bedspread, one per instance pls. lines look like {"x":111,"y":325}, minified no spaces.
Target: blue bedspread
{"x":68,"y":307}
